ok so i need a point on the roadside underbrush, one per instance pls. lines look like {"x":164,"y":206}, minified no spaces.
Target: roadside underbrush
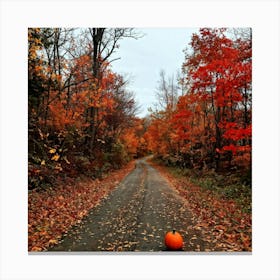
{"x":229,"y":185}
{"x":221,"y":204}
{"x":232,"y":186}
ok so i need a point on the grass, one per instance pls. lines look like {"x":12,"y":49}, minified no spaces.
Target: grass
{"x":231,"y":186}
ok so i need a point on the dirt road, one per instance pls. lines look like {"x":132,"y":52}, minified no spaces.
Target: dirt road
{"x":135,"y":217}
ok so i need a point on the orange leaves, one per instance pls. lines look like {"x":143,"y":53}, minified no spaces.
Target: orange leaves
{"x":55,"y":157}
{"x":36,"y":249}
{"x":52,"y":242}
{"x":81,"y":214}
{"x":160,"y":133}
{"x":108,"y":79}
{"x":52,"y":212}
{"x":221,"y":221}
{"x":52,"y":151}
{"x":133,"y":139}
{"x":72,"y":110}
{"x":59,"y":116}
{"x":34,"y":43}
{"x":74,"y":100}
{"x":130,"y":140}
{"x":220,"y":228}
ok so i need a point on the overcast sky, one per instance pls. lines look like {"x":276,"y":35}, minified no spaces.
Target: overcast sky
{"x":142,"y":60}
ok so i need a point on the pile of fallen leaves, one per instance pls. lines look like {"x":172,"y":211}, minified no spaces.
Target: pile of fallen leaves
{"x":53,"y":211}
{"x":221,"y":221}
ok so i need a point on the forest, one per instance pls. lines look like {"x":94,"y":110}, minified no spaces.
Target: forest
{"x":83,"y":120}
{"x":81,"y":117}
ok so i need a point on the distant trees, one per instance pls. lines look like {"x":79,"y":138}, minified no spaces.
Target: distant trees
{"x":211,"y":124}
{"x":78,"y":108}
{"x":167,"y":92}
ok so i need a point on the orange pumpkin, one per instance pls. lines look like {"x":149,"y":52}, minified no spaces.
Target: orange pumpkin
{"x":173,"y":240}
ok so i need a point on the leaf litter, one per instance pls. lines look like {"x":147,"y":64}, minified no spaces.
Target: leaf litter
{"x":52,"y":212}
{"x":221,"y":221}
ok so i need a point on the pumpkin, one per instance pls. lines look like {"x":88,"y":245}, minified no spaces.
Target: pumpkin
{"x":173,"y":240}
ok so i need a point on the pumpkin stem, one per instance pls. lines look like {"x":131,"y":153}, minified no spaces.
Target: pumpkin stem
{"x":173,"y":231}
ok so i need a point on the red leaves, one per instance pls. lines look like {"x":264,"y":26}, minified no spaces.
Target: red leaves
{"x":214,"y":114}
{"x":52,"y":212}
{"x":234,"y":132}
{"x":231,"y":148}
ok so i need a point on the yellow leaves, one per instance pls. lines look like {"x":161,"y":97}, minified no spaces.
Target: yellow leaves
{"x":32,"y":55}
{"x":52,"y":242}
{"x":55,"y":157}
{"x":37,"y":41}
{"x":82,"y":213}
{"x":52,"y":151}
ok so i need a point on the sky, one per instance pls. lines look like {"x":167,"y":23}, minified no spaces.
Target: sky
{"x":142,"y":60}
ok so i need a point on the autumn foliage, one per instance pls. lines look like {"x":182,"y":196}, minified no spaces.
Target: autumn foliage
{"x":79,"y":109}
{"x":210,"y":126}
{"x":83,"y":124}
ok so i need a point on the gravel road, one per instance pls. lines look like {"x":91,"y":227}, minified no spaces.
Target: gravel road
{"x":135,"y":217}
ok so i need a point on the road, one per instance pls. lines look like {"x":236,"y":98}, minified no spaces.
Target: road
{"x":135,"y":217}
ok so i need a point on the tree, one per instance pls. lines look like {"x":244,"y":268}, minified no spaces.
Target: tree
{"x":166,"y":92}
{"x":209,"y":125}
{"x":75,"y":98}
{"x":220,"y":79}
{"x":103,"y":43}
